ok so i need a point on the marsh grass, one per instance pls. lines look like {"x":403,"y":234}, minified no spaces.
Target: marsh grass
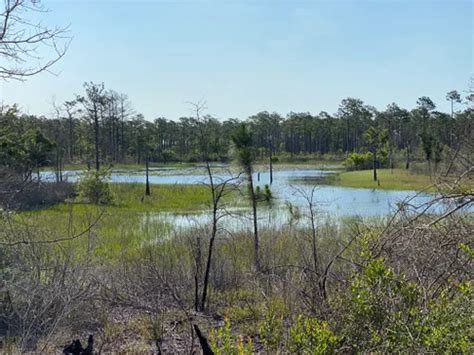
{"x":135,"y":258}
{"x":176,"y":198}
{"x":121,"y":229}
{"x":396,"y":179}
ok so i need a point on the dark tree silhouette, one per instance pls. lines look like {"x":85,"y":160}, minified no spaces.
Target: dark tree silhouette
{"x":94,"y":102}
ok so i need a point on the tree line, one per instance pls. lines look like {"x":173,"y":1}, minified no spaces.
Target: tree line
{"x":100,"y":126}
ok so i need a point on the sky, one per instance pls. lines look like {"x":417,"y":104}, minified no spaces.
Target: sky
{"x":243,"y":57}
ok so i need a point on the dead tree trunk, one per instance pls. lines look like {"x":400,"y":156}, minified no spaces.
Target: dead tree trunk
{"x":375,"y":164}
{"x":271,"y":165}
{"x":206,"y":349}
{"x":96,"y":140}
{"x":253,"y":197}
{"x":147,"y":188}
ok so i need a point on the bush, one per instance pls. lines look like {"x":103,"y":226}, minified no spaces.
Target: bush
{"x":358,"y":161}
{"x":382,"y":310}
{"x":222,"y":342}
{"x":93,"y":187}
{"x":265,"y":194}
{"x":271,"y":327}
{"x":386,"y":312}
{"x":309,"y":335}
{"x":168,"y":156}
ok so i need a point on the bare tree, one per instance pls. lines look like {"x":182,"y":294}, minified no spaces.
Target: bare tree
{"x":45,"y":286}
{"x":27,"y":47}
{"x":219,"y":188}
{"x":319,"y":271}
{"x":59,"y":138}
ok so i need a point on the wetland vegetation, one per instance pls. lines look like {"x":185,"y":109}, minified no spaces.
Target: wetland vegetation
{"x":350,"y":232}
{"x":139,"y":262}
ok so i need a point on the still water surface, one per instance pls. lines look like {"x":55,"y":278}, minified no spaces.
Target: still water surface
{"x":288,"y":188}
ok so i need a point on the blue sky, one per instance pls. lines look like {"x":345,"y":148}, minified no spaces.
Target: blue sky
{"x":243,"y":57}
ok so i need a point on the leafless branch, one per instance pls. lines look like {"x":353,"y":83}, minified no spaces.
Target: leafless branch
{"x":23,"y":42}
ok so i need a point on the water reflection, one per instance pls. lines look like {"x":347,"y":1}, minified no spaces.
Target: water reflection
{"x":287,"y":186}
{"x":289,"y":204}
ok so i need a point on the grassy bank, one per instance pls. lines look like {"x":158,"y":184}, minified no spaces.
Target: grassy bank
{"x":123,"y":226}
{"x":131,"y":197}
{"x":396,"y":179}
{"x":315,"y":164}
{"x":176,"y":198}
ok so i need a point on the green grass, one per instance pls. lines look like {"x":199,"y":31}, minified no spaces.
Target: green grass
{"x":176,"y":198}
{"x":131,"y":197}
{"x":124,"y":226}
{"x":310,"y":164}
{"x":396,"y":179}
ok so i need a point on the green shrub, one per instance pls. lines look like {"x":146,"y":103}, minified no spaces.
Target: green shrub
{"x":93,"y":187}
{"x":449,"y":324}
{"x":168,"y":156}
{"x":381,"y":311}
{"x":222,"y":342}
{"x":389,"y":314}
{"x":265,"y":194}
{"x":358,"y":161}
{"x":271,"y":327}
{"x":309,"y":335}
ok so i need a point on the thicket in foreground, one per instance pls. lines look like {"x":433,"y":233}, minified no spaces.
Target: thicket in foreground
{"x":403,"y":284}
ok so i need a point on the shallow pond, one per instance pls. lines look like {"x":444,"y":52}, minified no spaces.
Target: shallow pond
{"x":288,"y":188}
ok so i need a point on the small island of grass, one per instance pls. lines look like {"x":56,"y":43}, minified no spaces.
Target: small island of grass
{"x":389,"y":179}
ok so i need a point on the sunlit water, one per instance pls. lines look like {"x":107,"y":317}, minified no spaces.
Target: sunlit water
{"x":290,"y":189}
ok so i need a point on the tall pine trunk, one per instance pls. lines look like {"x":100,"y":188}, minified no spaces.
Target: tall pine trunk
{"x":375,"y":164}
{"x":96,"y":141}
{"x":407,"y":164}
{"x":147,"y":188}
{"x":271,"y":166}
{"x":255,"y":223}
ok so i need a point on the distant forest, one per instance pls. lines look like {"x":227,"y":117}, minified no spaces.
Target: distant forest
{"x":100,"y":127}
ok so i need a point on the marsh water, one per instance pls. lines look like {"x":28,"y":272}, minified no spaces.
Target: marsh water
{"x":290,"y":189}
